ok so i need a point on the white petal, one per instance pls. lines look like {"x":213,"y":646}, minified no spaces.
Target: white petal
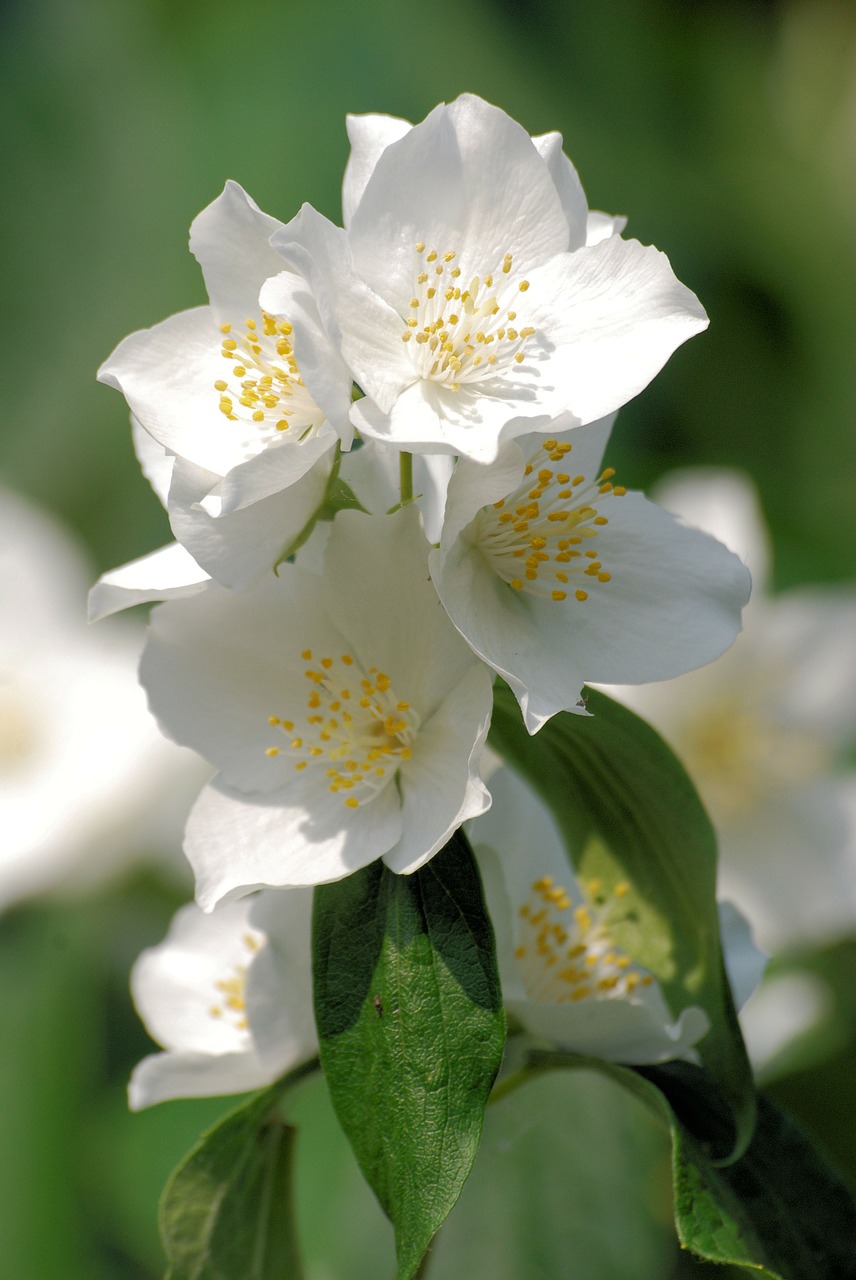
{"x":279,"y":982}
{"x":673,"y":602}
{"x":379,"y":594}
{"x":237,"y":843}
{"x":216,"y":667}
{"x":231,"y":242}
{"x":155,"y":463}
{"x":618,"y":1030}
{"x":600,"y":226}
{"x":440,"y":786}
{"x":468,"y":180}
{"x":744,"y":962}
{"x":725,"y":504}
{"x":615,"y":313}
{"x":275,"y":470}
{"x":359,"y":324}
{"x":167,"y":375}
{"x":322,"y":368}
{"x":237,"y":548}
{"x":164,"y":1076}
{"x":369,"y":136}
{"x":166,"y":574}
{"x":568,"y":187}
{"x":174,"y":984}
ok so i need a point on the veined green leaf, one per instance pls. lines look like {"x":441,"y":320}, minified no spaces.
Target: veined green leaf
{"x":629,"y":812}
{"x":410,"y":1022}
{"x":227,"y":1211}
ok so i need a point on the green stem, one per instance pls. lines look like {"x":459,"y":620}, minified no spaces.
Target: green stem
{"x":406,"y":477}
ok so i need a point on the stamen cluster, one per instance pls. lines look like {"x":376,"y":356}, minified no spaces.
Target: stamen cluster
{"x":354,"y":723}
{"x":454,"y":334}
{"x":565,"y":952}
{"x":264,"y":387}
{"x":534,"y":537}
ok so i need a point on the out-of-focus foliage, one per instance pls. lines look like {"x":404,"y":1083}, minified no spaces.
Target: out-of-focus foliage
{"x":725,"y":130}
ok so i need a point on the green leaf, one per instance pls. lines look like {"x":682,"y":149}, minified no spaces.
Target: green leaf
{"x":779,"y":1211}
{"x":227,"y":1211}
{"x":409,"y":1014}
{"x":629,"y":812}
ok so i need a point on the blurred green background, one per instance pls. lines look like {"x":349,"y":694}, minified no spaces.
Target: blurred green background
{"x":727,"y":132}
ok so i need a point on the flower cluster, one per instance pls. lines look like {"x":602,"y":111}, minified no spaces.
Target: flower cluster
{"x":380,"y":447}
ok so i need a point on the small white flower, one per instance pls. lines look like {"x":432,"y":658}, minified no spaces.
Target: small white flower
{"x":765,"y":734}
{"x":344,"y":713}
{"x":555,"y":575}
{"x":563,"y":976}
{"x":228,"y":391}
{"x":469,"y":294}
{"x":81,"y":761}
{"x":228,"y":996}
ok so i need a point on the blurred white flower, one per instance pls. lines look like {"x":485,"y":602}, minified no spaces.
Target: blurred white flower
{"x":86,"y":780}
{"x":563,"y":976}
{"x":557,"y":576}
{"x":468,"y":293}
{"x":344,"y":712}
{"x":229,"y":997}
{"x":765,"y":731}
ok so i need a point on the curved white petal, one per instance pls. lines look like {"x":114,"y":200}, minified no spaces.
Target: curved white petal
{"x":230,"y":240}
{"x":220,"y":703}
{"x":155,"y":463}
{"x":369,"y":136}
{"x":379,"y":594}
{"x":615,"y":312}
{"x":636,"y":1035}
{"x":166,"y":574}
{"x":440,"y":786}
{"x":238,"y":547}
{"x":744,"y":962}
{"x":724,"y":503}
{"x":467,"y":179}
{"x":167,"y":375}
{"x":600,"y":226}
{"x":164,"y":1076}
{"x":568,"y":187}
{"x":359,"y":324}
{"x":237,"y":843}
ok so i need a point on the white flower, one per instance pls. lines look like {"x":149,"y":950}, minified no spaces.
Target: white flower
{"x":556,"y":576}
{"x":563,"y":977}
{"x":464,"y":294}
{"x":765,"y":733}
{"x":225,"y":390}
{"x":344,"y":712}
{"x":86,"y":780}
{"x":229,"y":997}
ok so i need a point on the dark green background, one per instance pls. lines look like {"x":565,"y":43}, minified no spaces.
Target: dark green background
{"x":727,"y":133}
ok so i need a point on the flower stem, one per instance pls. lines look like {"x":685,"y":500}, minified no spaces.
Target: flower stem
{"x":406,"y":477}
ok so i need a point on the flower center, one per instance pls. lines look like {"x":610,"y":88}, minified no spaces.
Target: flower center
{"x":739,"y":754}
{"x":263,"y":388}
{"x":354,"y":724}
{"x":231,"y":997}
{"x":466,"y":334}
{"x":19,"y":731}
{"x":565,"y":953}
{"x":535,"y":539}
